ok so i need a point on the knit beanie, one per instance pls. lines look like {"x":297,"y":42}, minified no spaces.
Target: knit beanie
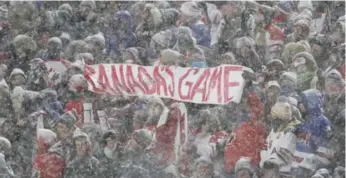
{"x":23,"y":43}
{"x":170,"y":57}
{"x":55,"y":41}
{"x":68,"y":119}
{"x":190,"y":10}
{"x":321,"y":173}
{"x":282,"y":109}
{"x":89,"y":3}
{"x":244,"y":163}
{"x":17,"y":71}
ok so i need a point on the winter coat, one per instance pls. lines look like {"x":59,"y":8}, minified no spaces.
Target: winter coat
{"x":5,"y":168}
{"x":315,"y":131}
{"x":124,"y":37}
{"x":248,"y":138}
{"x":109,"y":167}
{"x":86,"y":167}
{"x":201,"y":32}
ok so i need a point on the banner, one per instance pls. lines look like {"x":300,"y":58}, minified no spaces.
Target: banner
{"x":218,"y":85}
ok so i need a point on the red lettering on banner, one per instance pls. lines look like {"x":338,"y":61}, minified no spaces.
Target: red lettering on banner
{"x":228,"y":83}
{"x":141,"y":73}
{"x":160,"y":81}
{"x":122,"y":78}
{"x":118,"y":87}
{"x":215,"y":80}
{"x":103,"y":79}
{"x":189,"y":84}
{"x":203,"y":79}
{"x":88,"y":72}
{"x":170,"y":87}
{"x":131,"y":80}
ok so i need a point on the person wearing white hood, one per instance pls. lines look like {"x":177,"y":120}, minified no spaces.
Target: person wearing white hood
{"x":5,"y":168}
{"x":243,"y":169}
{"x":96,"y":46}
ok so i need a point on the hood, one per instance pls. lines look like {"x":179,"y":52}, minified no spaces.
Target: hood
{"x":310,"y":61}
{"x":201,"y":32}
{"x":170,"y":16}
{"x":172,"y":169}
{"x":125,"y":16}
{"x":17,"y":71}
{"x":46,"y":138}
{"x":244,"y":163}
{"x":313,"y":101}
{"x":170,"y":57}
{"x":272,"y":83}
{"x":5,"y":145}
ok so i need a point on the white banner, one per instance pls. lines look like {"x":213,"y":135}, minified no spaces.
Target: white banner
{"x":218,"y":85}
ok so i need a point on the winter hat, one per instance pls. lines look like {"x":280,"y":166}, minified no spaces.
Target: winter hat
{"x":228,"y":58}
{"x":17,"y":71}
{"x":286,"y":6}
{"x":172,"y":169}
{"x":155,"y":13}
{"x":170,"y":16}
{"x":310,"y":61}
{"x":292,"y":49}
{"x":68,"y":119}
{"x":244,"y":163}
{"x":143,"y":137}
{"x":49,"y":93}
{"x":282,"y":109}
{"x":185,"y":36}
{"x":135,"y":54}
{"x":78,"y":83}
{"x":244,"y":42}
{"x":97,"y":39}
{"x":162,"y":38}
{"x":274,"y":84}
{"x":340,"y":170}
{"x":22,"y":43}
{"x":5,"y":145}
{"x":74,"y":48}
{"x":55,"y":41}
{"x":275,"y":62}
{"x":90,"y":3}
{"x":46,"y":137}
{"x":86,"y":57}
{"x":109,"y":134}
{"x":191,"y":10}
{"x":291,"y":76}
{"x":305,"y":4}
{"x":162,"y":4}
{"x":65,"y":36}
{"x":170,"y":57}
{"x":203,"y":159}
{"x":321,"y":173}
{"x":304,"y":24}
{"x":67,"y":8}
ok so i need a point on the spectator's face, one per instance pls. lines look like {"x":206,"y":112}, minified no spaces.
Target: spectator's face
{"x":245,"y":52}
{"x":81,"y":146}
{"x":243,"y":173}
{"x":62,"y":131}
{"x":111,"y":142}
{"x":273,"y":93}
{"x":17,"y":80}
{"x":155,"y":110}
{"x":316,"y":50}
{"x":84,"y":11}
{"x":300,"y":65}
{"x":298,"y":33}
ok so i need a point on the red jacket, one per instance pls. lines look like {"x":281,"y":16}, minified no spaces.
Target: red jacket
{"x":49,"y":165}
{"x":248,"y":139}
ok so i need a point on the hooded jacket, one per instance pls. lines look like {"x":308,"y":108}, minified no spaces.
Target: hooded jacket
{"x":5,"y":169}
{"x":315,"y":131}
{"x":123,"y":36}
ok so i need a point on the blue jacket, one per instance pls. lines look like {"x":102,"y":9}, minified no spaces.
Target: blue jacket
{"x":316,"y":128}
{"x":127,"y":39}
{"x":201,"y":33}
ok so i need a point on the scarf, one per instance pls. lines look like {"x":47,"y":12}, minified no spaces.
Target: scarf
{"x":304,"y":80}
